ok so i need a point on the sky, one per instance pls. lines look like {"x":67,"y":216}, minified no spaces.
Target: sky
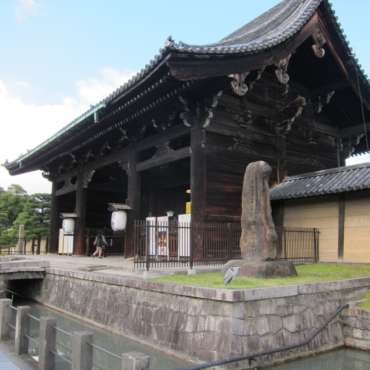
{"x":59,"y":57}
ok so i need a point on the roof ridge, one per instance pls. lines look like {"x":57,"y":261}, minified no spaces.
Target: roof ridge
{"x":325,"y":172}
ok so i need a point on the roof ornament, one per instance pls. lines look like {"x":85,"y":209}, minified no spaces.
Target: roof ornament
{"x":169,"y":43}
{"x":318,"y":46}
{"x":239,"y":84}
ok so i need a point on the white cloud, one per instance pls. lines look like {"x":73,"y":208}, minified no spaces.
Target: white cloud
{"x":26,"y":125}
{"x":24,"y":9}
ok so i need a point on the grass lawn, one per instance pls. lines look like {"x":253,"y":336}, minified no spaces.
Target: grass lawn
{"x":366,"y":303}
{"x":306,"y":274}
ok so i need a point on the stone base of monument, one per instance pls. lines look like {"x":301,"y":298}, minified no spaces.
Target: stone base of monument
{"x":262,"y":269}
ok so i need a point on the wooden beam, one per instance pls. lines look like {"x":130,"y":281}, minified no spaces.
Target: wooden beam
{"x":133,"y":200}
{"x":198,"y":185}
{"x":79,"y":239}
{"x":354,"y":130}
{"x":123,"y":154}
{"x":172,"y":156}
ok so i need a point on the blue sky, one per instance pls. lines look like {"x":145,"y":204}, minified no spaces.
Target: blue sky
{"x":57,"y":57}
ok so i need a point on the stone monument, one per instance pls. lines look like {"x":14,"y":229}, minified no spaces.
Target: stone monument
{"x":258,"y":241}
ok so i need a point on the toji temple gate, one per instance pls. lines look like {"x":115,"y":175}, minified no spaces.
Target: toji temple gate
{"x":285,"y":88}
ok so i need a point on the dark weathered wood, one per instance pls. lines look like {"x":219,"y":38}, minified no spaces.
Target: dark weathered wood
{"x":354,"y":130}
{"x":133,"y":200}
{"x":341,"y":225}
{"x":172,"y":156}
{"x":54,"y":221}
{"x":198,"y":185}
{"x":79,"y":238}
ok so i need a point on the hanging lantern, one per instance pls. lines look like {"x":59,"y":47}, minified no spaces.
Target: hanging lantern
{"x":119,"y":216}
{"x":68,"y":223}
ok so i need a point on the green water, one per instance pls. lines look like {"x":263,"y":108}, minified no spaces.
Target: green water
{"x":343,"y":359}
{"x":115,"y":343}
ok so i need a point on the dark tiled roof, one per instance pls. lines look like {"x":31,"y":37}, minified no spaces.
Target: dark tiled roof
{"x":332,"y":181}
{"x":272,"y":28}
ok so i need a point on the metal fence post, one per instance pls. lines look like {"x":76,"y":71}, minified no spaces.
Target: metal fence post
{"x":47,"y":343}
{"x":5,"y":314}
{"x":135,"y":361}
{"x":147,"y":245}
{"x":22,"y":324}
{"x":82,"y":351}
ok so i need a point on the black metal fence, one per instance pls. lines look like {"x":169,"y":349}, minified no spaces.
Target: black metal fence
{"x":174,"y":244}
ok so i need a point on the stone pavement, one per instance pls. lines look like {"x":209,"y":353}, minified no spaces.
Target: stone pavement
{"x":113,"y":265}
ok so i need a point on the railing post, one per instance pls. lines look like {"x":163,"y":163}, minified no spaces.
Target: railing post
{"x":191,"y":245}
{"x":147,"y":245}
{"x":5,"y":314}
{"x":47,"y":343}
{"x":135,"y":361}
{"x":82,"y":351}
{"x":22,"y":324}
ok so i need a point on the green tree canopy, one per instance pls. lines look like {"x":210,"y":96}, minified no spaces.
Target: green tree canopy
{"x":19,"y":208}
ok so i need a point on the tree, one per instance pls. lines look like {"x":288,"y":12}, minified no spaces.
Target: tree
{"x":10,"y":207}
{"x":34,"y":216}
{"x":16,"y":189}
{"x":19,"y":208}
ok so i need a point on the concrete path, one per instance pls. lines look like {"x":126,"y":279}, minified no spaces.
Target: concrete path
{"x":5,"y":364}
{"x":116,"y":265}
{"x":10,"y":361}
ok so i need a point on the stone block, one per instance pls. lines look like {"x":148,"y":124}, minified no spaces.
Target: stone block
{"x":82,"y":351}
{"x":22,"y":324}
{"x":5,"y":315}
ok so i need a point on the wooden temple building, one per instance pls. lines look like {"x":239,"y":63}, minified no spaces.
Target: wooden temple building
{"x":285,"y":88}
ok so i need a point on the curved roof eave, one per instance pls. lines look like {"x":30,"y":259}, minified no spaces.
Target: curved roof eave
{"x":267,"y":31}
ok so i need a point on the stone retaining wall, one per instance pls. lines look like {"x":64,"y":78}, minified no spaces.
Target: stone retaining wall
{"x":356,"y":328}
{"x":202,"y":323}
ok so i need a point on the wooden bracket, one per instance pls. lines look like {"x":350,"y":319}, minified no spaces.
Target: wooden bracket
{"x":281,"y":71}
{"x":318,"y":46}
{"x":289,"y":114}
{"x":87,"y":177}
{"x":199,"y":112}
{"x":239,"y":84}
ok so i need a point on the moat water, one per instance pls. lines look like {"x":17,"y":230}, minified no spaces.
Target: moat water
{"x":112,"y":342}
{"x":343,"y":359}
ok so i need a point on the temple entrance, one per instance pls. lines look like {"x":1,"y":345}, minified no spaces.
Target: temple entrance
{"x":108,"y":185}
{"x":166,"y":190}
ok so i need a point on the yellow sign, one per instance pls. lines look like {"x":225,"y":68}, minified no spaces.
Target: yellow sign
{"x":188,"y":208}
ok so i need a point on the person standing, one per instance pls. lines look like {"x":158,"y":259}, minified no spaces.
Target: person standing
{"x":100,"y":243}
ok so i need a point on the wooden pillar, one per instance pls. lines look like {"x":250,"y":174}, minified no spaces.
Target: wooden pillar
{"x":79,"y":238}
{"x":341,"y":224}
{"x":54,"y":221}
{"x":133,"y":200}
{"x":340,"y":153}
{"x":198,"y":185}
{"x":281,"y":170}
